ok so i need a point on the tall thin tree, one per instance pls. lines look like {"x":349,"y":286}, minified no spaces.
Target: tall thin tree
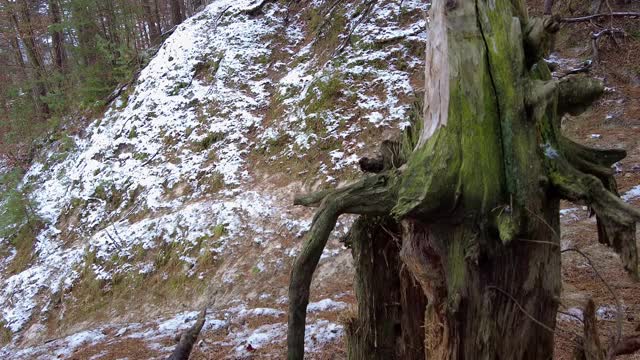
{"x":57,"y":35}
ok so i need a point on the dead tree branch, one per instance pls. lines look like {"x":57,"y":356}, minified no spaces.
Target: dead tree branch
{"x":597,"y":16}
{"x":617,"y":218}
{"x":189,"y":338}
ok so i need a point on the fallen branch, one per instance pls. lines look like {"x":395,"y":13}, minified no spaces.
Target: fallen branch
{"x":610,"y":32}
{"x":257,"y":9}
{"x":347,"y":39}
{"x":628,"y":345}
{"x":596,"y":16}
{"x":117,"y":92}
{"x":595,"y":38}
{"x":188,"y":339}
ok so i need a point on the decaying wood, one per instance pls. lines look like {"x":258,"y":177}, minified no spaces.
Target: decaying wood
{"x":188,"y":339}
{"x":390,"y":156}
{"x":389,"y":301}
{"x":628,"y":345}
{"x":591,"y":346}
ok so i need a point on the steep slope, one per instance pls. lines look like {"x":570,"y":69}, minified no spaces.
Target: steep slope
{"x":180,"y":195}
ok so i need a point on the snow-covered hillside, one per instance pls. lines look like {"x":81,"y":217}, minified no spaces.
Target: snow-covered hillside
{"x":186,"y":181}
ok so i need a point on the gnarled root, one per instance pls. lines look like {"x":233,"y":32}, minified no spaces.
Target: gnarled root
{"x":374,"y":195}
{"x":617,"y":218}
{"x":583,"y":175}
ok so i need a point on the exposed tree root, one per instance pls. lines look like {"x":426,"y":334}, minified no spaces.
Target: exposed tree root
{"x":374,"y":195}
{"x":617,"y":218}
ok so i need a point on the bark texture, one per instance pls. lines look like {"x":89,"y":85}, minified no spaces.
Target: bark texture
{"x":476,"y":205}
{"x":389,"y":299}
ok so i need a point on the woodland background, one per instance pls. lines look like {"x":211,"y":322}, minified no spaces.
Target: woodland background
{"x":68,"y":56}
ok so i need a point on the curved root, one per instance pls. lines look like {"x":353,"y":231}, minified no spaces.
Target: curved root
{"x":375,"y":195}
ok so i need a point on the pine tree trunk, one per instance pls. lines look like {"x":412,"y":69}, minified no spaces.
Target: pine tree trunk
{"x":152,"y":24}
{"x":176,"y":12}
{"x":24,"y":27}
{"x":87,"y":29}
{"x":57,"y":37}
{"x":158,"y":17}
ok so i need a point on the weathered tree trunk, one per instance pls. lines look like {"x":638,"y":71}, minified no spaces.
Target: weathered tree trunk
{"x":389,"y":299}
{"x":478,"y":198}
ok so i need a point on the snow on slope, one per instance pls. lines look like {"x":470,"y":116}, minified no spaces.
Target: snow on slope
{"x":167,"y":164}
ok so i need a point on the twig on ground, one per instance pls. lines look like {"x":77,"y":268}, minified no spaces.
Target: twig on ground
{"x":596,"y":16}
